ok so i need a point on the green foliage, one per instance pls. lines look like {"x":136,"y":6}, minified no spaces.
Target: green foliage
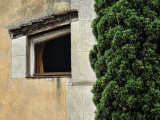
{"x":126,"y":59}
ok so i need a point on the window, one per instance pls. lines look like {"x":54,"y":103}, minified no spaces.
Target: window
{"x":53,"y":57}
{"x":36,"y":38}
{"x":51,"y":53}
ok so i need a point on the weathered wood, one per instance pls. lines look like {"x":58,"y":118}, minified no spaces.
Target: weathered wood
{"x":51,"y":22}
{"x":53,"y":73}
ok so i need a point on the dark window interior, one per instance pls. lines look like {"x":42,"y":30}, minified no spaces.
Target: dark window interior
{"x":54,"y":55}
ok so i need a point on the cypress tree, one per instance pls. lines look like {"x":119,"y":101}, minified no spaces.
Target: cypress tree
{"x":126,"y":59}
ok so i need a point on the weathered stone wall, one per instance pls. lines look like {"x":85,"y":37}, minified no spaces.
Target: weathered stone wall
{"x":46,"y":99}
{"x":28,"y":99}
{"x":79,"y":96}
{"x":17,"y":12}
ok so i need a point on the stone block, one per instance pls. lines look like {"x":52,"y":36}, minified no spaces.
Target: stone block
{"x":88,"y":105}
{"x":82,"y":36}
{"x":90,"y":39}
{"x":75,"y":116}
{"x":86,"y":10}
{"x":88,"y":116}
{"x":19,"y":46}
{"x":68,"y":81}
{"x":75,"y":4}
{"x":81,"y":69}
{"x":79,"y":103}
{"x":19,"y":67}
{"x":78,"y":31}
{"x":74,"y":99}
{"x":74,"y":102}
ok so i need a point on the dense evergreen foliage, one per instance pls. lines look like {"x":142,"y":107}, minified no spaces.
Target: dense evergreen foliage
{"x":126,"y":59}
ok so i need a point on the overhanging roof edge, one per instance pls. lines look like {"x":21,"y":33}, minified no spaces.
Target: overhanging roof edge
{"x":44,"y":24}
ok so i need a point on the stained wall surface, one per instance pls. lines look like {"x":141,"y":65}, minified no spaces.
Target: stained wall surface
{"x":28,"y":99}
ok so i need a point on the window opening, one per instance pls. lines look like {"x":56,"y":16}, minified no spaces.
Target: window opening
{"x":53,"y":57}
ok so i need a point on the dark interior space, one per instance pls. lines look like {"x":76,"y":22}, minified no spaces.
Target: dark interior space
{"x":56,"y":55}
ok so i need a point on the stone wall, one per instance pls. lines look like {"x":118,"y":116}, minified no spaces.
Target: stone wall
{"x":28,"y":99}
{"x":46,"y":99}
{"x":17,"y":12}
{"x":79,"y":96}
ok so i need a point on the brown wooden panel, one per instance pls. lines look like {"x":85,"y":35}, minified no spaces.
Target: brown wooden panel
{"x":53,"y":74}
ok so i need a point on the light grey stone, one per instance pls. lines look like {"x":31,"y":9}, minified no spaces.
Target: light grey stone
{"x":79,"y":103}
{"x":68,"y":82}
{"x":88,"y":116}
{"x":90,"y":39}
{"x":75,"y":116}
{"x":86,"y":10}
{"x":19,"y":46}
{"x":88,"y":105}
{"x":81,"y":69}
{"x":74,"y":99}
{"x":82,"y":37}
{"x":83,"y":75}
{"x":19,"y":67}
{"x":20,"y":57}
{"x":75,"y":4}
{"x":78,"y":31}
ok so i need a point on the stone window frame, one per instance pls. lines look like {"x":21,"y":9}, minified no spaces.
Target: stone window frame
{"x":20,"y":58}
